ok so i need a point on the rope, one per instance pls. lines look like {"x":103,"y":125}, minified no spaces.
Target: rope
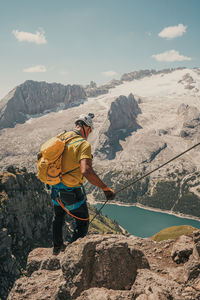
{"x":62,"y":205}
{"x":145,"y":175}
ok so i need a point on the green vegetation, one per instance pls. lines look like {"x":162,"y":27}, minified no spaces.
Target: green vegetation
{"x":189,"y":204}
{"x":164,"y":195}
{"x":172,"y":194}
{"x":103,"y":224}
{"x":173,"y":232}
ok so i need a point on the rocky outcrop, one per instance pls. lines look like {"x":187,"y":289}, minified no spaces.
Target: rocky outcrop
{"x":25,"y":215}
{"x":109,"y":267}
{"x":34,"y":98}
{"x":93,"y":91}
{"x":123,"y":113}
{"x":190,"y":117}
{"x":143,"y":73}
{"x":122,"y":119}
{"x":182,"y":249}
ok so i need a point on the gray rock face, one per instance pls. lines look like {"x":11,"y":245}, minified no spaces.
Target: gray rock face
{"x":33,"y":98}
{"x":94,"y":92}
{"x":24,"y":217}
{"x":143,"y":73}
{"x":190,"y":116}
{"x":123,"y":113}
{"x":122,"y":118}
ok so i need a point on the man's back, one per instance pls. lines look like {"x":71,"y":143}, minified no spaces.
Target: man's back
{"x":76,"y":148}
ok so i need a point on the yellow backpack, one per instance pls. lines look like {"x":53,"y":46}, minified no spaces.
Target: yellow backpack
{"x":49,"y":160}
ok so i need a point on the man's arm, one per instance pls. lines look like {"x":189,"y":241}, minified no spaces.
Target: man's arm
{"x":92,"y":177}
{"x":89,"y":173}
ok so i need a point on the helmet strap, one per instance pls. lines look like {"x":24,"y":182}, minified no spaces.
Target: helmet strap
{"x":84,"y":131}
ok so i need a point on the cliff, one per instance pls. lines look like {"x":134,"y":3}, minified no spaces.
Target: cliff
{"x":26,"y":214}
{"x":35,"y":98}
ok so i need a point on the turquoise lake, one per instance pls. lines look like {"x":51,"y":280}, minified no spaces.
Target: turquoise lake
{"x":143,"y":222}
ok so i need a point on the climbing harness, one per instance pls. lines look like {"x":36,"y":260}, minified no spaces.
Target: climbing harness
{"x":145,"y":175}
{"x":62,"y":205}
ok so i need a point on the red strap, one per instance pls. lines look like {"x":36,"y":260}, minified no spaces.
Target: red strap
{"x":107,"y":189}
{"x":62,"y":205}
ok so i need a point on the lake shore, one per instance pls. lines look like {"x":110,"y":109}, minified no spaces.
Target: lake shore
{"x":180,"y":215}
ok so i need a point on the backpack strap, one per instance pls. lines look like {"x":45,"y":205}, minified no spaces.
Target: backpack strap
{"x":66,"y":140}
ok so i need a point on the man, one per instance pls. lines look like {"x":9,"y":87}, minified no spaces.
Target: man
{"x":69,"y":195}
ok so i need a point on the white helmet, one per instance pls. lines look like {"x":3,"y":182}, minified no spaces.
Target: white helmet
{"x":87,"y":119}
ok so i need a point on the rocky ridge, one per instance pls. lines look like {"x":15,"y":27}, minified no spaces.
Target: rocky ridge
{"x":35,"y":98}
{"x":121,"y":122}
{"x":87,"y":270}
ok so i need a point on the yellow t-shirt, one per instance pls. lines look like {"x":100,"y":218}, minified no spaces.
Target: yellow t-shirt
{"x":76,"y":149}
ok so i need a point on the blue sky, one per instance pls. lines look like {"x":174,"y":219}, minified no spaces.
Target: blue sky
{"x":76,"y":41}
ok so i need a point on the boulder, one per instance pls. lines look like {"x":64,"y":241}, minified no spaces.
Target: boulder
{"x":105,"y":294}
{"x":192,"y":269}
{"x":182,"y":249}
{"x":91,"y":262}
{"x":155,"y":287}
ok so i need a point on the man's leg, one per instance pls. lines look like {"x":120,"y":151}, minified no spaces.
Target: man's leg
{"x":58,"y":222}
{"x":81,"y":228}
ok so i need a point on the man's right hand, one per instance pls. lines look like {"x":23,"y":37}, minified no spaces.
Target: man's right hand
{"x":109,"y":193}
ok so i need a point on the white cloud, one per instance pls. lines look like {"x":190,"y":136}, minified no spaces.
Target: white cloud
{"x":36,"y":69}
{"x":37,"y":38}
{"x":170,"y":56}
{"x":172,"y":32}
{"x":109,"y":73}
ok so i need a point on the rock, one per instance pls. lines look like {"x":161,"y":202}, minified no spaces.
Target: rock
{"x":95,"y":92}
{"x":182,"y":249}
{"x":143,"y":73}
{"x":197,"y":285}
{"x":25,"y":215}
{"x":137,"y":75}
{"x":91,"y":262}
{"x":123,"y":113}
{"x":39,"y":259}
{"x":190,"y":118}
{"x":177,"y":274}
{"x":89,"y":270}
{"x":122,"y":122}
{"x":41,"y":285}
{"x":196,"y":237}
{"x":191,"y":269}
{"x":107,"y":267}
{"x":104,"y":294}
{"x":33,"y":98}
{"x":155,"y":287}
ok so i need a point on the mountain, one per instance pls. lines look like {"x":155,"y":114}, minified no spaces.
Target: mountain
{"x":26,"y":213}
{"x":35,"y":98}
{"x":143,"y":120}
